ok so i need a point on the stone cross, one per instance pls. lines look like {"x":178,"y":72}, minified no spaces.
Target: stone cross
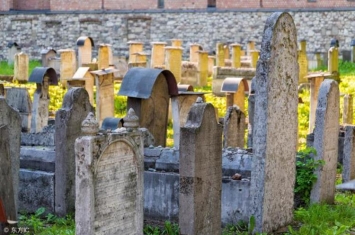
{"x":10,"y":134}
{"x":76,"y":106}
{"x":326,"y":133}
{"x":109,"y":180}
{"x":276,"y":101}
{"x":200,"y":172}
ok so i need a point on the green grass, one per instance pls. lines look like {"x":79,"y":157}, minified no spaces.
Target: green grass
{"x":6,"y":69}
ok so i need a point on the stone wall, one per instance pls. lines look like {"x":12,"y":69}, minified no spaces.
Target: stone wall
{"x":37,"y":31}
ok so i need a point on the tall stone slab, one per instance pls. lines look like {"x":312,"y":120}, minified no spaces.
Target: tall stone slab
{"x":76,"y":106}
{"x":10,"y":134}
{"x":303,"y":62}
{"x":173,"y":61}
{"x":134,"y":47}
{"x":67,"y":65}
{"x":251,"y":109}
{"x":348,"y":109}
{"x":234,"y":128}
{"x":105,"y":56}
{"x":236,"y":53}
{"x":109,"y":179}
{"x":21,"y":65}
{"x":276,"y":101}
{"x":349,"y":154}
{"x":326,"y":134}
{"x":19,"y":99}
{"x":200,"y":172}
{"x":220,"y":55}
{"x":85,"y":45}
{"x":158,"y":55}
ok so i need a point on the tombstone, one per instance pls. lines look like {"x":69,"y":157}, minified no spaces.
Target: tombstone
{"x":254,"y":55}
{"x":47,"y":55}
{"x":326,"y":133}
{"x":236,"y":53}
{"x":105,"y":94}
{"x":19,"y":99}
{"x":140,"y":60}
{"x":211,"y":64}
{"x":180,"y":107}
{"x":250,"y":47}
{"x":109,"y":180}
{"x":234,"y":128}
{"x":85,"y":45}
{"x":158,"y":55}
{"x":275,"y":116}
{"x":251,"y":111}
{"x":43,"y":77}
{"x":149,"y":92}
{"x":83,"y":78}
{"x":10,"y":134}
{"x":68,"y":119}
{"x":220,"y":55}
{"x":173,"y":61}
{"x":194,"y":48}
{"x":235,"y":89}
{"x":333,"y":62}
{"x":303,"y":62}
{"x":319,"y":60}
{"x":21,"y":67}
{"x":349,"y":154}
{"x":315,"y":83}
{"x":133,"y":48}
{"x":68,"y":64}
{"x":13,"y":49}
{"x":227,"y":55}
{"x":348,"y":110}
{"x":176,"y":42}
{"x":202,"y":67}
{"x":105,"y":56}
{"x":200,"y":172}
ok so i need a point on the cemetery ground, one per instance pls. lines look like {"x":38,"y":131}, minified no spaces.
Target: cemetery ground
{"x":314,"y":219}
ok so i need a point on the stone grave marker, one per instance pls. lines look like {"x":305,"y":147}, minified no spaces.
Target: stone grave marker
{"x":250,"y":47}
{"x":21,"y":64}
{"x":234,"y":128}
{"x":43,"y":77}
{"x":326,"y":134}
{"x":211,"y":64}
{"x":202,"y":67}
{"x":303,"y":62}
{"x":158,"y":55}
{"x":105,"y":56}
{"x":333,"y":62}
{"x":236,"y":53}
{"x":83,"y":78}
{"x":76,"y":106}
{"x":200,"y":172}
{"x":109,"y":179}
{"x":19,"y":99}
{"x":194,"y":48}
{"x":67,"y":65}
{"x":349,"y":154}
{"x":235,"y":89}
{"x":220,"y":55}
{"x":176,"y":42}
{"x":315,"y":83}
{"x":348,"y":109}
{"x":254,"y":55}
{"x":47,"y":55}
{"x":13,"y":49}
{"x":251,"y":111}
{"x":140,"y":60}
{"x":149,"y":92}
{"x":173,"y":61}
{"x":104,"y":82}
{"x":226,"y":53}
{"x":10,"y":133}
{"x":276,"y":101}
{"x":85,"y":45}
{"x":134,"y":47}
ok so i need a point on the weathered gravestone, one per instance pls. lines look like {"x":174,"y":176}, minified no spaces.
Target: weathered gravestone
{"x":43,"y":77}
{"x":236,"y":53}
{"x":349,"y":154}
{"x":348,"y":109}
{"x":173,"y":61}
{"x":303,"y":62}
{"x":21,"y":67}
{"x":105,"y":56}
{"x":234,"y":128}
{"x":19,"y":99}
{"x":13,"y":49}
{"x":85,"y":45}
{"x":83,"y":78}
{"x":220,"y":55}
{"x":134,"y":47}
{"x":109,"y":179}
{"x":67,"y":65}
{"x":76,"y":106}
{"x":326,"y":134}
{"x":10,"y":133}
{"x":149,"y":92}
{"x":47,"y":55}
{"x":251,"y":109}
{"x":275,"y":125}
{"x":200,"y":172}
{"x":158,"y":55}
{"x":235,"y":89}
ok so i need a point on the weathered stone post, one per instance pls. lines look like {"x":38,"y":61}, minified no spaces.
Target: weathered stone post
{"x":109,"y":179}
{"x":333,"y":61}
{"x":85,"y":45}
{"x":67,"y":65}
{"x":105,"y":56}
{"x":202,"y":67}
{"x":220,"y":55}
{"x":235,"y":91}
{"x":158,"y":55}
{"x":326,"y":134}
{"x":315,"y":83}
{"x":349,"y":154}
{"x":251,"y":111}
{"x":348,"y":110}
{"x":21,"y":64}
{"x":276,"y":101}
{"x":200,"y":172}
{"x":176,"y":42}
{"x":76,"y":106}
{"x":211,"y":64}
{"x":226,"y":52}
{"x":43,"y":77}
{"x":173,"y":61}
{"x":83,"y":78}
{"x":236,"y":53}
{"x":10,"y":134}
{"x":194,"y":48}
{"x":319,"y":60}
{"x":134,"y":47}
{"x":303,"y":62}
{"x":234,"y":128}
{"x":250,"y":47}
{"x":254,"y":54}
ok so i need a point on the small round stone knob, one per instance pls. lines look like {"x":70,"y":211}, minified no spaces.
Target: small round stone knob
{"x":131,"y":120}
{"x":90,"y":126}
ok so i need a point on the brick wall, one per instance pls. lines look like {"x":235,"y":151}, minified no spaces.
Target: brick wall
{"x":31,"y":4}
{"x":185,"y":4}
{"x":72,"y":5}
{"x":130,"y":4}
{"x":225,"y":4}
{"x":307,"y":3}
{"x":6,"y":5}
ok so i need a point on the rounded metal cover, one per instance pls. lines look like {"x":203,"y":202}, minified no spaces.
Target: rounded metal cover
{"x":112,"y":123}
{"x":81,"y":41}
{"x":334,"y":43}
{"x":352,"y":43}
{"x":38,"y":74}
{"x":231,"y":84}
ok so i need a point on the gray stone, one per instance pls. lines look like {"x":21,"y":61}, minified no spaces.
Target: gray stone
{"x":251,"y":108}
{"x":349,"y":154}
{"x":37,"y":158}
{"x":43,"y":138}
{"x":36,"y":190}
{"x":276,"y":101}
{"x":10,"y":130}
{"x":168,"y":161}
{"x":76,"y":106}
{"x":109,"y":184}
{"x":348,"y":186}
{"x":234,"y":128}
{"x":200,"y":172}
{"x":40,"y":106}
{"x":326,"y":141}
